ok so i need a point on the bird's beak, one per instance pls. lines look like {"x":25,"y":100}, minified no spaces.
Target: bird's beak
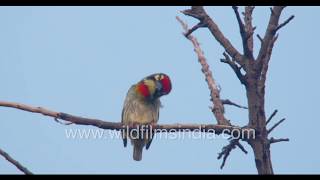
{"x":158,"y":86}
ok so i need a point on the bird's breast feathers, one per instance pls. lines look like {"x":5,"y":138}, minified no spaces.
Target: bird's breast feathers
{"x":139,"y":111}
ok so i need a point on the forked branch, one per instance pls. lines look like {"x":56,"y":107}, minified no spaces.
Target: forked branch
{"x":235,"y":68}
{"x":199,"y":13}
{"x":228,"y":148}
{"x":244,"y":32}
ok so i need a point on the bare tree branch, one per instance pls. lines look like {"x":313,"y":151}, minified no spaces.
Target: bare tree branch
{"x":218,"y":109}
{"x":244,"y":34}
{"x":228,"y":102}
{"x":285,"y":22}
{"x":271,"y":116}
{"x":265,"y":65}
{"x":240,"y":23}
{"x":235,"y":68}
{"x":269,"y":34}
{"x":226,"y":152}
{"x":199,"y":25}
{"x":15,"y":163}
{"x":260,"y":38}
{"x":196,"y":12}
{"x":199,"y":13}
{"x":210,"y":128}
{"x":273,"y":140}
{"x":249,"y":29}
{"x":275,"y":125}
{"x":228,"y":148}
{"x":241,"y":147}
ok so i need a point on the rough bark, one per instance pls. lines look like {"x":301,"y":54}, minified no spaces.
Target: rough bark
{"x":255,"y":73}
{"x":257,"y":119}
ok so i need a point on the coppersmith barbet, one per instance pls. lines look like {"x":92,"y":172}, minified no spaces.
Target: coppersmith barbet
{"x":141,"y":107}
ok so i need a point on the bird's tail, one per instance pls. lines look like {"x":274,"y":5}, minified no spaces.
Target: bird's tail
{"x":137,"y":149}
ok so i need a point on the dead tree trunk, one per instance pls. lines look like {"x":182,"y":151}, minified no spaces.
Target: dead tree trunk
{"x":254,"y":77}
{"x":257,"y":119}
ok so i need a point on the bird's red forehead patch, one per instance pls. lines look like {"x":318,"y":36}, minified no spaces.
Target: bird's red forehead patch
{"x":166,"y":84}
{"x":143,"y":89}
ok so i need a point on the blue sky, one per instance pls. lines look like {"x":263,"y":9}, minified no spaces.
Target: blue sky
{"x":82,"y":60}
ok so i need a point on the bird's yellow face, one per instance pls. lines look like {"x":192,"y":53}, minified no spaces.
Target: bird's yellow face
{"x":154,"y":86}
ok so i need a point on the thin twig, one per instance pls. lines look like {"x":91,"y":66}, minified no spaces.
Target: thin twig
{"x":284,"y":23}
{"x":15,"y":163}
{"x":241,"y":147}
{"x":260,"y":38}
{"x":272,"y":115}
{"x":275,"y":125}
{"x":228,"y":102}
{"x":273,"y":140}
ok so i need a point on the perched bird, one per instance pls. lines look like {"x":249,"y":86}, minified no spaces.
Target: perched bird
{"x":141,"y":107}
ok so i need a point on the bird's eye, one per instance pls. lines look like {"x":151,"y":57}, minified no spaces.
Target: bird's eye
{"x":158,"y":77}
